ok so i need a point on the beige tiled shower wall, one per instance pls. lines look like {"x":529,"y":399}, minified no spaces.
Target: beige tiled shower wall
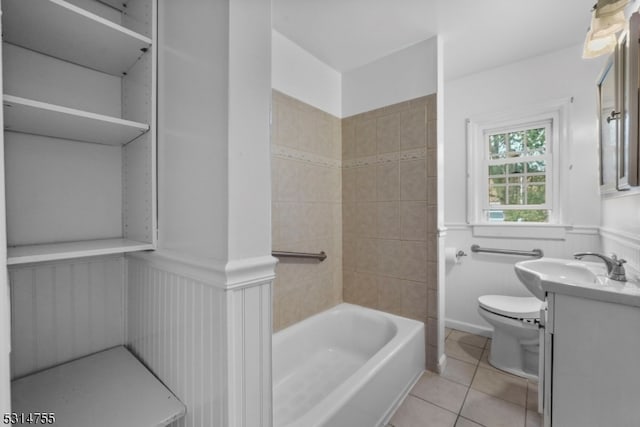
{"x":307,"y":208}
{"x":389,"y":211}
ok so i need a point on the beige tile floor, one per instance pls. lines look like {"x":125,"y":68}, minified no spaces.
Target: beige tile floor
{"x":470,"y":393}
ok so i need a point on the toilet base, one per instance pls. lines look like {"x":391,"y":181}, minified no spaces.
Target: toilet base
{"x":515,"y":345}
{"x":512,"y":371}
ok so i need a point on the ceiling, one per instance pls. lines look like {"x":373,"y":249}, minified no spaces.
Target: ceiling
{"x":477,"y":34}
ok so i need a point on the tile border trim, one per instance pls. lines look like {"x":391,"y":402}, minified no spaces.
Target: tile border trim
{"x":414,"y":154}
{"x":288,"y":153}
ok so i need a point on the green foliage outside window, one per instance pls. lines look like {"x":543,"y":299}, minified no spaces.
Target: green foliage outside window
{"x":519,"y":183}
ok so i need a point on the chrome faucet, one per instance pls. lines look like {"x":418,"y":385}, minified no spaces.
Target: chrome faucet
{"x":615,"y":269}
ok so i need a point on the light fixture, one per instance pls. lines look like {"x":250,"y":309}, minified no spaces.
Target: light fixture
{"x":610,"y":7}
{"x":596,"y":46}
{"x":607,"y":24}
{"x":607,"y":19}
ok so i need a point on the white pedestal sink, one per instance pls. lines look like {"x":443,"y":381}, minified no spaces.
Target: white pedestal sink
{"x":534,"y":273}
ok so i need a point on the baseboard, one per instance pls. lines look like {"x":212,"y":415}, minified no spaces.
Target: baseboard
{"x":442,"y":364}
{"x":468,"y":327}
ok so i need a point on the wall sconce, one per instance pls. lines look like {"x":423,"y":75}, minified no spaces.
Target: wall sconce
{"x":607,"y":18}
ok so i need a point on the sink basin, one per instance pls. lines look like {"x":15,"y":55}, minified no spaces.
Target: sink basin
{"x":535,"y":272}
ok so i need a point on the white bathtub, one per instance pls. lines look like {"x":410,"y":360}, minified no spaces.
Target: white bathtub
{"x":349,"y":366}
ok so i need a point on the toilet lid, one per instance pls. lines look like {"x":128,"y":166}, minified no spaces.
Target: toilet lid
{"x":516,"y":307}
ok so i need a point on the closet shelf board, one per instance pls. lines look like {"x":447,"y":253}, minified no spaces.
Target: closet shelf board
{"x":110,"y":388}
{"x":73,"y":34}
{"x":56,"y":251}
{"x":40,"y":118}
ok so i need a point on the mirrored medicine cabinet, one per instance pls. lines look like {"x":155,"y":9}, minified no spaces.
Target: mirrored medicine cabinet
{"x":618,"y":118}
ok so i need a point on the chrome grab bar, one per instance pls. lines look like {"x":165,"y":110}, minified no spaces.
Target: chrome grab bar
{"x":535,"y":253}
{"x":319,"y":256}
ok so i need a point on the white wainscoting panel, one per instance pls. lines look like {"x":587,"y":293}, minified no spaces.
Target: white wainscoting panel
{"x":249,"y":355}
{"x":204,"y":329}
{"x":175,"y":327}
{"x":64,"y":310}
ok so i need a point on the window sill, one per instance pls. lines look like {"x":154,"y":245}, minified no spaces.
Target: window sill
{"x":521,"y":231}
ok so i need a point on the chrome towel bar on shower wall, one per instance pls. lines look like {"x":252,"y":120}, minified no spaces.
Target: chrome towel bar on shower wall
{"x":534,"y":253}
{"x":319,"y":256}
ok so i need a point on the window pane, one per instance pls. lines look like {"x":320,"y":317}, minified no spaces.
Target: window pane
{"x":516,"y":143}
{"x":537,"y":178}
{"x":536,"y":194}
{"x":515,"y":195}
{"x":527,"y":215}
{"x":497,"y":170}
{"x":536,"y":141}
{"x":538,"y":166}
{"x":515,"y":168}
{"x":493,"y":181}
{"x":497,"y":194}
{"x":516,"y":180}
{"x":497,"y":146}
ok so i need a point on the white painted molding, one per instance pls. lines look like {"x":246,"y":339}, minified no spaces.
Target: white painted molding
{"x":250,"y":272}
{"x":519,"y":231}
{"x":442,"y":364}
{"x":540,"y":231}
{"x":230,"y":275}
{"x":588,"y":230}
{"x":622,"y":236}
{"x":469,"y":327}
{"x":457,"y":226}
{"x":207,"y":271}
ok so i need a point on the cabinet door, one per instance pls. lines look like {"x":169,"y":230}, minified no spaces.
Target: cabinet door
{"x":595,"y":358}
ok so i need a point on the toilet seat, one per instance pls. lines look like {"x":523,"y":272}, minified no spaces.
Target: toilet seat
{"x":514,"y":307}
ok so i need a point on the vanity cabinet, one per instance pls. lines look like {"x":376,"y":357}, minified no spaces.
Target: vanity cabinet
{"x":79,"y":115}
{"x":591,"y":362}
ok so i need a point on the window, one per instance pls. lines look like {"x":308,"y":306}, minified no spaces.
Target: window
{"x":517,"y":161}
{"x":514,"y":169}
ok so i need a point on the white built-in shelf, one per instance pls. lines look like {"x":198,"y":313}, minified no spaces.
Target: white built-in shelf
{"x":110,"y":388}
{"x":40,"y":118}
{"x":62,"y":30}
{"x":116,"y":4}
{"x":68,"y":250}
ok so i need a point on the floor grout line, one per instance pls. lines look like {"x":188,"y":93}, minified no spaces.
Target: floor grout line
{"x":476,"y":367}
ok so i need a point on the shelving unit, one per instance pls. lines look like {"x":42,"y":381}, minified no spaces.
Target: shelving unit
{"x":73,"y":34}
{"x":113,"y":387}
{"x":41,"y":118}
{"x":57,"y":251}
{"x":79,"y":148}
{"x":62,"y":31}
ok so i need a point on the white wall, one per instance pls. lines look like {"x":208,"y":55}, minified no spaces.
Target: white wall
{"x":193,"y":73}
{"x":249,"y":149}
{"x":300,"y":75}
{"x":406,"y":74}
{"x":557,"y":75}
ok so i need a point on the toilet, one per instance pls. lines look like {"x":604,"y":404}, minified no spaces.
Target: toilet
{"x":515,"y":344}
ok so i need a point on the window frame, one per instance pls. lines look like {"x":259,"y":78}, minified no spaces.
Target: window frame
{"x":547,"y":157}
{"x":556,"y":115}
